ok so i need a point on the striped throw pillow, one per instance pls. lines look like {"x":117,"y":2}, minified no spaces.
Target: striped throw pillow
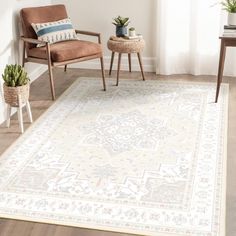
{"x":56,"y":31}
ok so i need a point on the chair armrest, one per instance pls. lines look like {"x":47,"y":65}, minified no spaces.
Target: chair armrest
{"x":36,"y":41}
{"x":33,"y":41}
{"x":90,"y":34}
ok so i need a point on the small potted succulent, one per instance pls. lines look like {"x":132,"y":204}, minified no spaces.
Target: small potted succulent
{"x":16,"y":85}
{"x":132,"y":32}
{"x":230,"y":7}
{"x":121,"y":24}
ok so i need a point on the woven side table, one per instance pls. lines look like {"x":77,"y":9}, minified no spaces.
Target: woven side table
{"x":127,"y":46}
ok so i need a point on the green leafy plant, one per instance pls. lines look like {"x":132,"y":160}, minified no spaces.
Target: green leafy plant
{"x":132,"y":29}
{"x":15,"y":75}
{"x":121,"y":21}
{"x":229,"y":5}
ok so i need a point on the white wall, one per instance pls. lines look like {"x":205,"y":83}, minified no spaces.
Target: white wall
{"x":9,"y":40}
{"x":97,"y":15}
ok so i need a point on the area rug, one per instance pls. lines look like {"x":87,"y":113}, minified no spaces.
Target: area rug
{"x":145,"y":158}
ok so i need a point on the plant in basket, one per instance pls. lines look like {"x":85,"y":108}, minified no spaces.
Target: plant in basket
{"x":16,"y":85}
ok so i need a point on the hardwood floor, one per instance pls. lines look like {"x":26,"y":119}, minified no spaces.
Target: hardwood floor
{"x":41,"y":99}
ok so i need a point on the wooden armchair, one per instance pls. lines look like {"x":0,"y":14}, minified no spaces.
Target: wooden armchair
{"x":57,"y":54}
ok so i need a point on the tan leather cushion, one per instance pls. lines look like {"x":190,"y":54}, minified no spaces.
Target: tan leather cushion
{"x":68,"y":50}
{"x":40,"y":15}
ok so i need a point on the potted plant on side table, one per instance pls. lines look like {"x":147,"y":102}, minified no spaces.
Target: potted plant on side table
{"x":230,"y":7}
{"x":132,"y":32}
{"x":16,"y":91}
{"x":121,"y":24}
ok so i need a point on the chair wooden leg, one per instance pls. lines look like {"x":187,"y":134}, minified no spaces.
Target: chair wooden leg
{"x":51,"y":81}
{"x":118,"y":69}
{"x":129,"y":58}
{"x":50,"y":72}
{"x":103,"y":73}
{"x":65,"y":68}
{"x":141,"y":65}
{"x":112,"y":60}
{"x":23,"y":54}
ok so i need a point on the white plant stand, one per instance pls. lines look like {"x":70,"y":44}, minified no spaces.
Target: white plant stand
{"x":20,"y":114}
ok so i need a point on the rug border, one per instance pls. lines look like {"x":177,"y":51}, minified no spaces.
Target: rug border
{"x":225,"y":161}
{"x":222,"y":225}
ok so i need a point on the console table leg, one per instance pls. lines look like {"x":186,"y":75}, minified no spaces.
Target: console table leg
{"x":118,"y":69}
{"x":221,"y":68}
{"x":141,"y":65}
{"x":112,"y":59}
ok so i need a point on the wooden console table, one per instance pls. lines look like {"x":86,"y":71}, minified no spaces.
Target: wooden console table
{"x":225,"y":42}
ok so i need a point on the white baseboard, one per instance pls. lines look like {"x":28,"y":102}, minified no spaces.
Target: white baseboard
{"x":37,"y":72}
{"x":148,"y":64}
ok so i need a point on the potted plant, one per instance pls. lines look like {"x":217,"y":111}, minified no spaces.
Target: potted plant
{"x":132,"y":32}
{"x":230,"y":7}
{"x":16,"y":85}
{"x":121,"y":24}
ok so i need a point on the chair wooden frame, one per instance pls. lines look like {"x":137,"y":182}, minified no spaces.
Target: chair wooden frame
{"x":52,"y":64}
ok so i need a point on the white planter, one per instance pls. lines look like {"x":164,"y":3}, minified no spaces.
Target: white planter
{"x":232,"y":18}
{"x":132,"y":33}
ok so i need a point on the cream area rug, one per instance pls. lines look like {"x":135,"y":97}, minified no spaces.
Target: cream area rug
{"x":144,"y":158}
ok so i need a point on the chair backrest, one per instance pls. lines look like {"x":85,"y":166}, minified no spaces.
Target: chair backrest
{"x":40,"y":15}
